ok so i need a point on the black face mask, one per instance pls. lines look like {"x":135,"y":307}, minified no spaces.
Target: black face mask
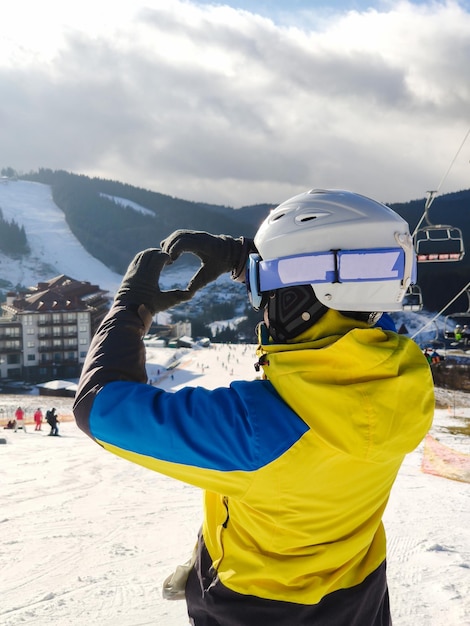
{"x":291,"y":310}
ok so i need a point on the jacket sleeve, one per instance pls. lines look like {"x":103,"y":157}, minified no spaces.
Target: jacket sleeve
{"x":116,"y":353}
{"x":214,"y":439}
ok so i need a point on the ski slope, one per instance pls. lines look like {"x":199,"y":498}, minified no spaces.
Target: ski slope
{"x":88,"y":538}
{"x":54,"y":249}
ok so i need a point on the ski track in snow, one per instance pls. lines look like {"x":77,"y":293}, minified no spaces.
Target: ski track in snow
{"x":88,"y":538}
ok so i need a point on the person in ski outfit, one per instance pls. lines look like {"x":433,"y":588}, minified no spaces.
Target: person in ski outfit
{"x":38,"y":419}
{"x":20,"y":421}
{"x":53,"y":421}
{"x":297,"y":467}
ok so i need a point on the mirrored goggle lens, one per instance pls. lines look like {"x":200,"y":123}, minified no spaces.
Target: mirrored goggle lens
{"x":252,"y":281}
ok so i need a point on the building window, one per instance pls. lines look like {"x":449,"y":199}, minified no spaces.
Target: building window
{"x":31,"y":344}
{"x":11,"y":344}
{"x":31,"y":357}
{"x":9,"y":331}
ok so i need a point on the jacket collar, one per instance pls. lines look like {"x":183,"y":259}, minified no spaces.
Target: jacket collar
{"x":329,"y":328}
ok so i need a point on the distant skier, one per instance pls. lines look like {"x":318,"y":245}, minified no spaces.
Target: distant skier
{"x":38,"y":419}
{"x":298,"y":467}
{"x":20,"y":421}
{"x":53,"y":421}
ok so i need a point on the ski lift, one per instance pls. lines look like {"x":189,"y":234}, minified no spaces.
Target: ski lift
{"x":436,"y":342}
{"x":438,"y":242}
{"x":460,"y":334}
{"x":413,"y":300}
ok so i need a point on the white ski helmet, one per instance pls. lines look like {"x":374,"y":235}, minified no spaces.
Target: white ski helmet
{"x":356,"y":253}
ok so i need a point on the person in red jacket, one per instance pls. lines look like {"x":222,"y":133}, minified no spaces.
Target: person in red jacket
{"x":38,"y":419}
{"x":19,"y":416}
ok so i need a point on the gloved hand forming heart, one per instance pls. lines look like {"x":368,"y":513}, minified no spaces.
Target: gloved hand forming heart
{"x":219,"y":254}
{"x":140,"y":283}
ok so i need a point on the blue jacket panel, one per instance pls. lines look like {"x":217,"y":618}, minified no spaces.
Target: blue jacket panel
{"x":226,"y":429}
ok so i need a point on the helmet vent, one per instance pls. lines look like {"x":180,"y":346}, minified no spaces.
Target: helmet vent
{"x":274,"y":218}
{"x":309,"y":216}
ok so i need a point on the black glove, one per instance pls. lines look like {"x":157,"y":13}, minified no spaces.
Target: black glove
{"x":140,"y":283}
{"x":219,"y":254}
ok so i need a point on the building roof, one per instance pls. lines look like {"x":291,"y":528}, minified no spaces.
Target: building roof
{"x":58,"y":384}
{"x":61,"y":293}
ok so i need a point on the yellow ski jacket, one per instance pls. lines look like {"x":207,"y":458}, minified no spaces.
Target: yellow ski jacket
{"x":297,"y":468}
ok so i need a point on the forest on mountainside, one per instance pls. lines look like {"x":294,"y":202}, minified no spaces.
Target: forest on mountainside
{"x":114,"y":232}
{"x":13,"y":241}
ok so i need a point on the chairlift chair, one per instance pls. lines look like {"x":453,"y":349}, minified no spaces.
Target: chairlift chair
{"x":413,"y":300}
{"x":436,"y":343}
{"x":437,"y":243}
{"x":461,"y":319}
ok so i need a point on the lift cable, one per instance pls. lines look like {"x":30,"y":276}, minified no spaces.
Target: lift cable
{"x":431,"y":321}
{"x":432,"y":194}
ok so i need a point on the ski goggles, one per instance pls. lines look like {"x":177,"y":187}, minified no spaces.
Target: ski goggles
{"x":335,"y":266}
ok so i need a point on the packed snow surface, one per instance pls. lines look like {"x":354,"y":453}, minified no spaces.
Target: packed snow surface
{"x":88,"y":538}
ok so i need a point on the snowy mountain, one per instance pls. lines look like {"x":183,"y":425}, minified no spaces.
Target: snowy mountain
{"x":54,"y":249}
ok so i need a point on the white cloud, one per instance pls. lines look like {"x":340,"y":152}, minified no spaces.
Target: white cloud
{"x":217,"y":104}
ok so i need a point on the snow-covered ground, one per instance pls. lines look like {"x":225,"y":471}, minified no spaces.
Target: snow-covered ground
{"x":129,"y":203}
{"x":88,"y":538}
{"x":54,"y":249}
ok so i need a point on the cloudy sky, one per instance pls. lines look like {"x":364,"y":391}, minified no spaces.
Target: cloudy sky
{"x":240,"y":102}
